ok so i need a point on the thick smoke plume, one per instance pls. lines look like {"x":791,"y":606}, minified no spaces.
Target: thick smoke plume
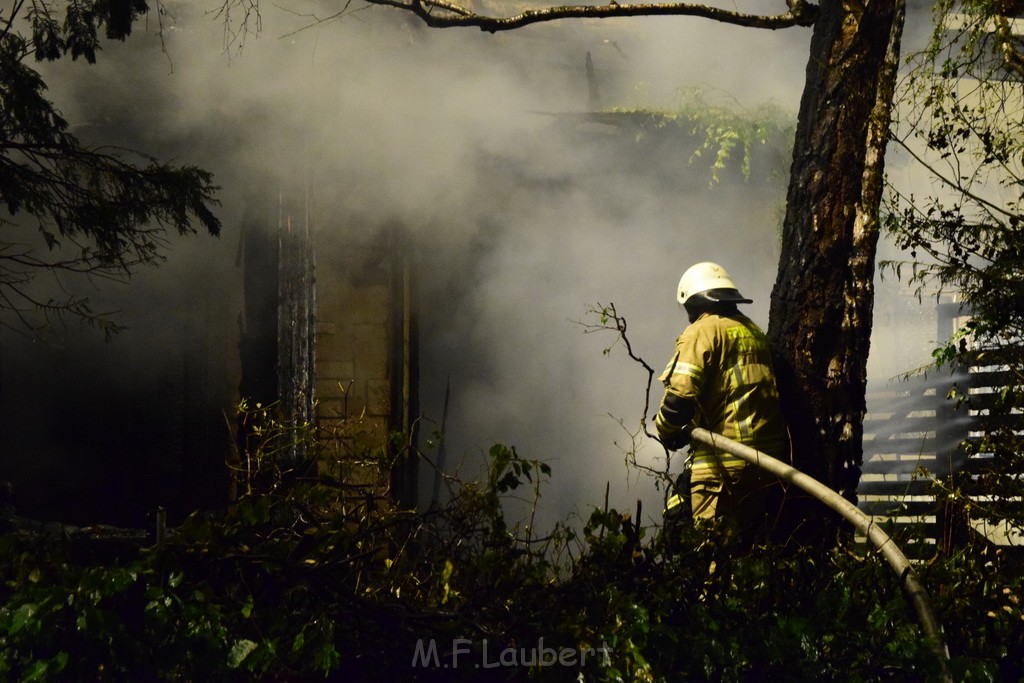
{"x":522,"y":215}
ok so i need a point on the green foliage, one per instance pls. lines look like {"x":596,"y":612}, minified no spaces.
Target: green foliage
{"x":963,"y":120}
{"x":314,"y":573}
{"x":961,"y":117}
{"x":727,"y":130}
{"x":77,"y":33}
{"x":97,"y":211}
{"x":977,"y":589}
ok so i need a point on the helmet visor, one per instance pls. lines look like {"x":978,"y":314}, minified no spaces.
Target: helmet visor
{"x":727,"y":295}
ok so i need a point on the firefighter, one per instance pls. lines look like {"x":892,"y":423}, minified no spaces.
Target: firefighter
{"x":720,"y":378}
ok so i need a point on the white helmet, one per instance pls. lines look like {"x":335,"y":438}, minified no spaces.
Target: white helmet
{"x":706,"y":276}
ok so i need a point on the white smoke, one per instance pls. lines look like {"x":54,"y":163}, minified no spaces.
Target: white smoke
{"x":519,"y":229}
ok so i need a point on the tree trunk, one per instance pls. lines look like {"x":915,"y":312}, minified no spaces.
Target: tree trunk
{"x":820,"y":321}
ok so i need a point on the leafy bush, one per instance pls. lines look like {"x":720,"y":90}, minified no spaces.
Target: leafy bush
{"x":310,"y":576}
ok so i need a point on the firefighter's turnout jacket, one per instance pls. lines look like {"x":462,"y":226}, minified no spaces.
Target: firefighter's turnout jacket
{"x":722,"y":364}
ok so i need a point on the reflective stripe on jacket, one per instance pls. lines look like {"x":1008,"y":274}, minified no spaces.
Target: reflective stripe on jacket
{"x":723,"y":364}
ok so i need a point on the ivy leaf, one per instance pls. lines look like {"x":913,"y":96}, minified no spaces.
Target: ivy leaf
{"x":239,"y":651}
{"x":22,"y":616}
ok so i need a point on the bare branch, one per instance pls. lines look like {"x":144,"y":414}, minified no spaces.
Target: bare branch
{"x":238,"y":28}
{"x":610,"y":320}
{"x":442,"y":13}
{"x":958,"y":186}
{"x":9,"y":21}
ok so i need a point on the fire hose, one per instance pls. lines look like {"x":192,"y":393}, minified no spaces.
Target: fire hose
{"x":899,"y":563}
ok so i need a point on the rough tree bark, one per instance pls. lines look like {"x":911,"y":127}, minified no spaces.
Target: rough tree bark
{"x":821,"y":308}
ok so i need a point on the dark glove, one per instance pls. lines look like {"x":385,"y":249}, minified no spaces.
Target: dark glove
{"x":678,"y":440}
{"x":675,"y":421}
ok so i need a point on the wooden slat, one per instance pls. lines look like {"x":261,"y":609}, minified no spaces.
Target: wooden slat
{"x":914,"y":425}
